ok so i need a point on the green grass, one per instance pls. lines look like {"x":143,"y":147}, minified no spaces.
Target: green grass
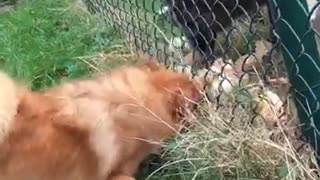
{"x":43,"y":41}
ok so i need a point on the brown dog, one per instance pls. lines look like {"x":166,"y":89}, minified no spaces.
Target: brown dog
{"x":99,"y":129}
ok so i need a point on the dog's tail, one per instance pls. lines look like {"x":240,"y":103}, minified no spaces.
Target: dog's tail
{"x":9,"y":101}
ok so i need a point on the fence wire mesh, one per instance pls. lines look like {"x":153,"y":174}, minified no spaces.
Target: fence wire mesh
{"x":240,"y":49}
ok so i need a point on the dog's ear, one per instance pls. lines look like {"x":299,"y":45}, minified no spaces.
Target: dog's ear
{"x":151,"y":65}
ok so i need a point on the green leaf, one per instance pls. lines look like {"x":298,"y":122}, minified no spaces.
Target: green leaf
{"x":283,"y":171}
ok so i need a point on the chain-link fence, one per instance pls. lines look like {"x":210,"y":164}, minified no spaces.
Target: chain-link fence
{"x":297,"y":29}
{"x":261,"y":54}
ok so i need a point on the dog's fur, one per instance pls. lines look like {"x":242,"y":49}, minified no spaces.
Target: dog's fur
{"x":8,"y":104}
{"x":98,"y":129}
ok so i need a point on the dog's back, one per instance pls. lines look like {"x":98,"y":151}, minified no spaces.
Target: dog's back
{"x":37,"y":141}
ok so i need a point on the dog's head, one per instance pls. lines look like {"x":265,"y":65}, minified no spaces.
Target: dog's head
{"x":181,"y":93}
{"x":151,"y":65}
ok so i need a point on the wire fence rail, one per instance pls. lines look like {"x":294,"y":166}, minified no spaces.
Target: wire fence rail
{"x":260,"y":58}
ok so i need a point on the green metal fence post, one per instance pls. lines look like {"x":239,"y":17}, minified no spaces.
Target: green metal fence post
{"x":302,"y":61}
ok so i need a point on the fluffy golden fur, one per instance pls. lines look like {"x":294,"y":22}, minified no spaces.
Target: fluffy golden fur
{"x":8,"y":104}
{"x":99,"y":129}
